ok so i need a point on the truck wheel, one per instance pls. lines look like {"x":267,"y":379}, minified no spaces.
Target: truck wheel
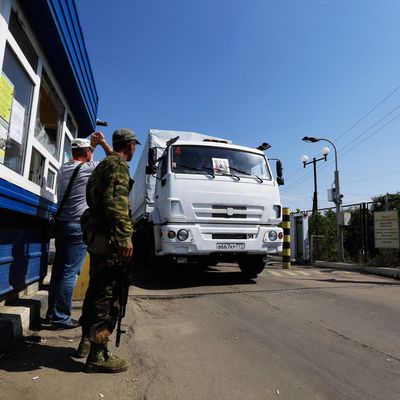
{"x":251,"y":266}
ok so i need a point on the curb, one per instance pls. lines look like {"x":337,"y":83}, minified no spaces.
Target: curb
{"x":17,"y":318}
{"x":393,"y":273}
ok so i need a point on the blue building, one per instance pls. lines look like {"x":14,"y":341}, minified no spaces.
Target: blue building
{"x":47,"y":98}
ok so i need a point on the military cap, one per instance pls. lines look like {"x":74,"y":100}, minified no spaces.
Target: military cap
{"x":124,"y":135}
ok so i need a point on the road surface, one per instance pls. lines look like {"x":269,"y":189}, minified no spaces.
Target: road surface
{"x":296,"y":334}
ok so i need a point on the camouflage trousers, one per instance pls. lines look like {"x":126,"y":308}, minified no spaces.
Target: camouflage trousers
{"x":101,"y":307}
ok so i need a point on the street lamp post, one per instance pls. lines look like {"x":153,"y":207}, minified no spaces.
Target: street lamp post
{"x":304,"y":159}
{"x":337,"y":197}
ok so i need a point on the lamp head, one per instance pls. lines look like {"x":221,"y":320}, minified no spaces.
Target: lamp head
{"x":310,"y":139}
{"x":325,"y":151}
{"x":304,"y":158}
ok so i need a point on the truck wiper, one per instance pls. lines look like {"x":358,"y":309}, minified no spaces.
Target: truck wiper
{"x":248,"y":174}
{"x":209,"y":170}
{"x":191,"y":168}
{"x":231,"y":174}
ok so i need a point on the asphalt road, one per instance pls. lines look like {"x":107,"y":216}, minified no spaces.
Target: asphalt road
{"x":295,"y":334}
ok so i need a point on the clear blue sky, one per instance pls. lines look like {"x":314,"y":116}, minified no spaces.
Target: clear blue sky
{"x":255,"y":71}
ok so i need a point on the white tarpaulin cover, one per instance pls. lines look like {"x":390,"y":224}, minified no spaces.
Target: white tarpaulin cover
{"x":142,"y":195}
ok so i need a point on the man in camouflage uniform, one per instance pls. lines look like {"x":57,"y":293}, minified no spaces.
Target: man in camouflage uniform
{"x":107,"y":228}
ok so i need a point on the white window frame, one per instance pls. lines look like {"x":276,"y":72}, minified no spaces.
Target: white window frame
{"x":51,"y":162}
{"x":51,"y":168}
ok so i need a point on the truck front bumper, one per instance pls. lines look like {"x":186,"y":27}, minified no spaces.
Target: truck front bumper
{"x":206,"y":239}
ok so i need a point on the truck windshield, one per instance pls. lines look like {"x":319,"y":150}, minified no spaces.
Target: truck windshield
{"x":189,"y":159}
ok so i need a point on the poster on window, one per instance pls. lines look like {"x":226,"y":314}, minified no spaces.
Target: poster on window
{"x":6,"y":97}
{"x":3,"y":142}
{"x":221,"y":166}
{"x":17,"y":121}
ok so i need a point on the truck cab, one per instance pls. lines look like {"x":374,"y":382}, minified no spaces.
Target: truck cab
{"x":213,"y":201}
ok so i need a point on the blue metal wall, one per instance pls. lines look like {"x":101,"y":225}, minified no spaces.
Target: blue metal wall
{"x":23,"y":251}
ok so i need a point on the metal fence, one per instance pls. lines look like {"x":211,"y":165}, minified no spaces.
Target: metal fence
{"x":358,"y":234}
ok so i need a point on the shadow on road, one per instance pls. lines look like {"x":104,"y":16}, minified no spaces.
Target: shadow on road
{"x":366,"y":282}
{"x":35,"y":356}
{"x":186,"y":276}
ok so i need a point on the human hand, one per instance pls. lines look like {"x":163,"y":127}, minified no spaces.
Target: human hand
{"x":125,"y":253}
{"x":97,"y":138}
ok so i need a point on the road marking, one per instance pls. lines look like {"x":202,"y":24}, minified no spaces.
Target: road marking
{"x":275,"y":273}
{"x":303,"y":273}
{"x":290,"y":273}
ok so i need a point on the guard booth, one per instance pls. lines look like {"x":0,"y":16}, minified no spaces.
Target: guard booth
{"x":299,"y":239}
{"x":47,"y":98}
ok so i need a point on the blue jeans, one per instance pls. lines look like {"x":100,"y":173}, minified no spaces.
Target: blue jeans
{"x":70,"y":254}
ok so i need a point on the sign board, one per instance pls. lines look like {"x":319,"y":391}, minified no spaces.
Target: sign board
{"x":17,"y":122}
{"x":6,"y":98}
{"x":386,"y":230}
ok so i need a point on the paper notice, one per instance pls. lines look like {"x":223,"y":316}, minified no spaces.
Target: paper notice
{"x":17,"y":121}
{"x":221,"y":166}
{"x":6,"y":96}
{"x":3,"y":142}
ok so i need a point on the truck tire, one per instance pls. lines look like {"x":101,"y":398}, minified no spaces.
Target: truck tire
{"x":251,"y":266}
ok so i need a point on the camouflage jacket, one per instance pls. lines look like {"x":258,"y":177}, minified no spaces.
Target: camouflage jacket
{"x":107,"y":195}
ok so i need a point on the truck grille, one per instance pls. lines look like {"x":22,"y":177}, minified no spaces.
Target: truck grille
{"x":228,"y":212}
{"x":222,"y":211}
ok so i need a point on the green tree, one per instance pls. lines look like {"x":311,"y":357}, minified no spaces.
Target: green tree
{"x":322,"y":227}
{"x":389,"y":201}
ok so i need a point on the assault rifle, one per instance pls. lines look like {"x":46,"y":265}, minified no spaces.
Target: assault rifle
{"x":123,"y":292}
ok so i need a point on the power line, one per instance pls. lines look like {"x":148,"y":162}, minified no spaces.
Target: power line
{"x":359,"y":120}
{"x":370,"y":178}
{"x":372,"y":134}
{"x":369,"y":112}
{"x":372,"y":126}
{"x":340,"y":151}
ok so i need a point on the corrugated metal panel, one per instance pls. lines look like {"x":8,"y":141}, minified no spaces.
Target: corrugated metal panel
{"x":20,"y":200}
{"x":23,"y":253}
{"x":56,"y":24}
{"x":69,"y":29}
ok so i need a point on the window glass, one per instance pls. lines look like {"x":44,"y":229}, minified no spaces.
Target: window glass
{"x":67,"y":155}
{"x":36,"y":169}
{"x":17,"y":30}
{"x":15,"y":104}
{"x":190,"y":159}
{"x":71,"y":126}
{"x":51,"y":179}
{"x":49,"y":117}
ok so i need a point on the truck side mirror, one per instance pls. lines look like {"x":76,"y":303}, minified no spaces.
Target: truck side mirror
{"x":279,"y":173}
{"x":152,"y":156}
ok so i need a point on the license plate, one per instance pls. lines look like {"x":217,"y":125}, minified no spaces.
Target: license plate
{"x":230,"y":246}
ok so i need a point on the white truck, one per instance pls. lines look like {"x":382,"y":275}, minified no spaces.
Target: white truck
{"x":198,"y":198}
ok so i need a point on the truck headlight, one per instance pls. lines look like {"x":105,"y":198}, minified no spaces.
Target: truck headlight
{"x":182,"y":235}
{"x":272,"y":236}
